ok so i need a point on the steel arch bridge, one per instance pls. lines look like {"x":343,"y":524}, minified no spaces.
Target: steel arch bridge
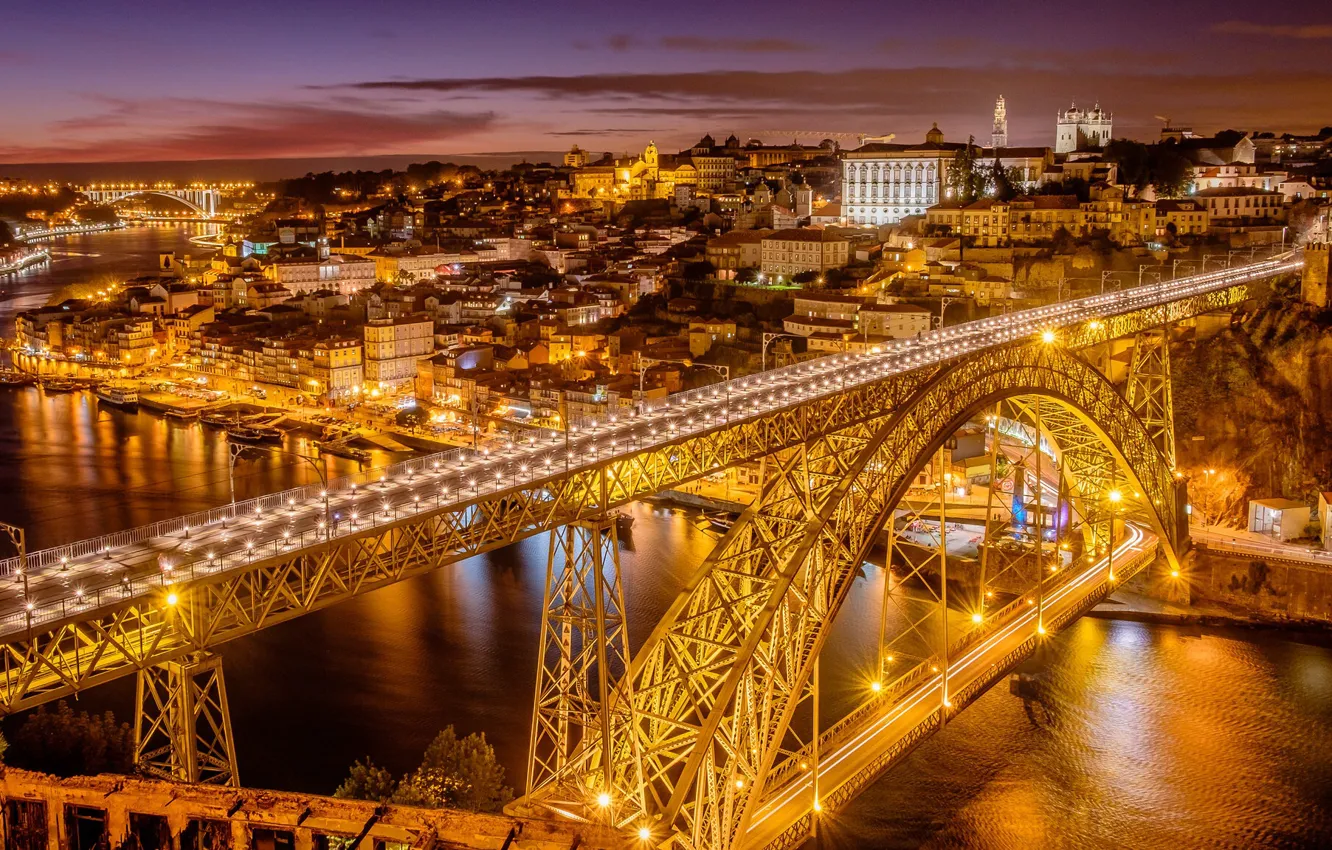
{"x":693,"y":740}
{"x":715,"y":687}
{"x":202,"y":200}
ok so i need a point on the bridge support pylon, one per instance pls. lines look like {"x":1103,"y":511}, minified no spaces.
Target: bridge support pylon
{"x":1148,"y":389}
{"x":182,"y":723}
{"x":581,"y":717}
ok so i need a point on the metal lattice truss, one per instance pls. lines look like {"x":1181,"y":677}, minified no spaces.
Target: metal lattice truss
{"x":182,"y":728}
{"x":715,"y":685}
{"x":57,"y":658}
{"x":583,"y":658}
{"x":1148,"y":390}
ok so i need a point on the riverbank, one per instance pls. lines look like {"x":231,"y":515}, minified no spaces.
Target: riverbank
{"x":1137,"y":608}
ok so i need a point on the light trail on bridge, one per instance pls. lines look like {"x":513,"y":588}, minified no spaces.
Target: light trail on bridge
{"x":76,"y":579}
{"x":847,"y":759}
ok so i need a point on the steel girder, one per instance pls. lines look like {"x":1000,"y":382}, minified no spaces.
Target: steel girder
{"x":716,"y":684}
{"x":205,"y":602}
{"x":1148,"y":390}
{"x":182,"y":724}
{"x":580,"y":667}
{"x":90,"y":645}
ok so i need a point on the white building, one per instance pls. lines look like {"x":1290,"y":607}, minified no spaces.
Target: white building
{"x":344,"y":274}
{"x":883,"y":182}
{"x":1076,"y":129}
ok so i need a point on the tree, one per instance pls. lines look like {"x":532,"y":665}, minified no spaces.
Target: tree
{"x":1005,"y":183}
{"x":1171,"y":171}
{"x":367,"y":781}
{"x":964,"y":179}
{"x":471,"y":761}
{"x":454,"y":773}
{"x":69,"y":744}
{"x":6,"y":235}
{"x":1132,"y":160}
{"x":701,"y":270}
{"x":749,"y":274}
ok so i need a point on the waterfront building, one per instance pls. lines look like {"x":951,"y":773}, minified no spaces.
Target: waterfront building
{"x":392,"y":347}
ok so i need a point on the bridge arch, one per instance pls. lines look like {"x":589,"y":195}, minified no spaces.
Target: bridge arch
{"x":716,"y":684}
{"x":115,"y":197}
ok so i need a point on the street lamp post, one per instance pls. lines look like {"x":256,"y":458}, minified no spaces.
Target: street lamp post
{"x":236,"y":451}
{"x":19,"y":539}
{"x":763,"y":351}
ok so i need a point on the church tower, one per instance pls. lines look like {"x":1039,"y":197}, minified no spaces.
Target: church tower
{"x":999,"y":135}
{"x":650,"y":159}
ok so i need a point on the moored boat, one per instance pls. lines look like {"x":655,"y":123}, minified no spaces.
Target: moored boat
{"x":120,"y":395}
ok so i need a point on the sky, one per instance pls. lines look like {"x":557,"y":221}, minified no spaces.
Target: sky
{"x":142,"y":80}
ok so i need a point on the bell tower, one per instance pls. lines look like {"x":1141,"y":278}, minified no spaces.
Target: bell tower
{"x":999,"y":135}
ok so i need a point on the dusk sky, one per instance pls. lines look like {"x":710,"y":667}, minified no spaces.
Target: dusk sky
{"x":98,"y":81}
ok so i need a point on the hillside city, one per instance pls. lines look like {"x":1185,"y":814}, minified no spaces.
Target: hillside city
{"x":455,"y":303}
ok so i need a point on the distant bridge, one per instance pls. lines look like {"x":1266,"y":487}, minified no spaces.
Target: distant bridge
{"x":696,"y":740}
{"x":201,"y":198}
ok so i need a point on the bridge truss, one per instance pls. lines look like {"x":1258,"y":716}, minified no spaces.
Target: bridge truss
{"x":688,"y":739}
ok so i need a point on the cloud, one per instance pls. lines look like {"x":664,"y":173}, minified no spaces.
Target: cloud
{"x":1304,"y":32}
{"x":608,"y":131}
{"x":624,"y":42}
{"x":906,"y":100}
{"x":699,"y":44}
{"x":135,"y":131}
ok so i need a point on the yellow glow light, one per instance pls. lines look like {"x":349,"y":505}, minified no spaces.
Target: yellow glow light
{"x":603,"y":799}
{"x":172,"y":599}
{"x":1047,"y":336}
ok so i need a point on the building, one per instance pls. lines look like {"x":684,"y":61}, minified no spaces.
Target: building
{"x":1076,"y":129}
{"x":705,"y":333}
{"x":739,"y":249}
{"x":1283,"y":519}
{"x":893,"y":321}
{"x":392,"y":347}
{"x":1180,"y":217}
{"x":343,"y":274}
{"x":338,"y":369}
{"x":999,"y":134}
{"x":575,"y":158}
{"x":1239,"y":205}
{"x":803,"y":249}
{"x":884,"y":182}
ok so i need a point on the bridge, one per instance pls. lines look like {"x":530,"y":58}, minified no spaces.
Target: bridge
{"x":710,"y":735}
{"x":201,"y":198}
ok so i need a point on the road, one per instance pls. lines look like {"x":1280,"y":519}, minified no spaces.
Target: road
{"x":860,"y":744}
{"x":73,"y":579}
{"x":1250,"y":543}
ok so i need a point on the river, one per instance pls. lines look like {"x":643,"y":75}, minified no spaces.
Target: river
{"x":1156,"y":737}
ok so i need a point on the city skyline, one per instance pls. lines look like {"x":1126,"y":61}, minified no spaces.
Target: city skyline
{"x":334,"y":81}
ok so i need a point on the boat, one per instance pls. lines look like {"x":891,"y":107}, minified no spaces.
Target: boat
{"x":720,"y":520}
{"x":219,"y":418}
{"x":341,"y":449}
{"x":120,"y":395}
{"x":60,"y":385}
{"x":14,"y":378}
{"x":180,"y":413}
{"x":252,"y":433}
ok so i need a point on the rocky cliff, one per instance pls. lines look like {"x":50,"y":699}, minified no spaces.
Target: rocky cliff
{"x":1259,"y":395}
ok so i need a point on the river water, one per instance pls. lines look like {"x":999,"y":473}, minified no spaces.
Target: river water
{"x":1155,"y":736}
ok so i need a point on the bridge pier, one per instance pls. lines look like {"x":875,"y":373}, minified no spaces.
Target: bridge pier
{"x":581,"y":715}
{"x":1148,"y":389}
{"x":182,"y":723}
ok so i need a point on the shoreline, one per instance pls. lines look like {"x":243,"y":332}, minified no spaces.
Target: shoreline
{"x":1134,"y":610}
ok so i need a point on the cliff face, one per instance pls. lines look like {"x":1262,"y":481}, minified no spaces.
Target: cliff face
{"x":1260,"y":396}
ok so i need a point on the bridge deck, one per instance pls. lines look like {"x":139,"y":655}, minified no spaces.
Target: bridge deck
{"x":74,"y":583}
{"x":865,"y":744}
